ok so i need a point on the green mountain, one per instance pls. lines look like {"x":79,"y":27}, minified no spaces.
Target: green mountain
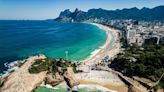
{"x":156,"y":13}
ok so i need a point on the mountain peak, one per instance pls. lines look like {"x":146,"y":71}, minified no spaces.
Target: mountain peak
{"x":161,"y":8}
{"x":65,"y":13}
{"x":134,"y":8}
{"x":76,"y":10}
{"x":144,"y":8}
{"x":131,"y":13}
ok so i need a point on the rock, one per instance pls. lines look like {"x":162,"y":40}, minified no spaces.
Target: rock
{"x":160,"y":90}
{"x":67,"y":16}
{"x":133,"y":89}
{"x":21,"y":80}
{"x":53,"y":80}
{"x":70,"y":78}
{"x":2,"y":80}
{"x":65,"y":13}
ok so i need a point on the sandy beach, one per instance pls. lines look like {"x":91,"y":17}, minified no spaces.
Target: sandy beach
{"x":110,"y":48}
{"x":103,"y":78}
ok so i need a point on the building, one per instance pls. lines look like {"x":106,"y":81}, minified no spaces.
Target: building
{"x":131,"y":34}
{"x":154,"y":39}
{"x":134,"y":38}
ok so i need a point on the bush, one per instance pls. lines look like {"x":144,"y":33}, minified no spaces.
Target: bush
{"x":39,"y":66}
{"x":50,"y":65}
{"x":149,"y":62}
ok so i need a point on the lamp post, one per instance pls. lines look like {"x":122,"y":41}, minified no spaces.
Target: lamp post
{"x":66,"y":55}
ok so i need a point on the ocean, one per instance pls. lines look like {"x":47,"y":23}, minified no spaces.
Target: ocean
{"x":20,"y":39}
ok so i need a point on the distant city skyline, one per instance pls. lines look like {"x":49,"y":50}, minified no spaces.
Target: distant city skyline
{"x":49,"y":9}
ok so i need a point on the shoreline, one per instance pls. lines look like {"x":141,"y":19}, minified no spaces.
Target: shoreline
{"x":107,"y":49}
{"x":21,"y":80}
{"x":97,"y":53}
{"x":110,"y":48}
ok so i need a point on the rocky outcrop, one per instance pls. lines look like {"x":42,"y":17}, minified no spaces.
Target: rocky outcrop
{"x":68,"y":16}
{"x":65,"y":13}
{"x":134,"y":89}
{"x":1,"y":81}
{"x":53,"y":80}
{"x":21,"y":80}
{"x":78,"y":15}
{"x":70,"y":78}
{"x":65,"y":16}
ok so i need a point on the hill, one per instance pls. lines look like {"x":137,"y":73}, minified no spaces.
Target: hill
{"x":156,"y":13}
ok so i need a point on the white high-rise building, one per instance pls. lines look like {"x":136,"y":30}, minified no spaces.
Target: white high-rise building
{"x":133,"y":37}
{"x":131,"y":34}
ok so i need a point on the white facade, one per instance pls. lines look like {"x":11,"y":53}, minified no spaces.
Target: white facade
{"x":131,"y":33}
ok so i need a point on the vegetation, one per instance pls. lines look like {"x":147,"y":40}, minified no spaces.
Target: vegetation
{"x":147,"y":62}
{"x":155,"y":13}
{"x":51,"y":65}
{"x":39,"y":65}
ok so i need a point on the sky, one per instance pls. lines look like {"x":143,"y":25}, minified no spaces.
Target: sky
{"x":50,"y":9}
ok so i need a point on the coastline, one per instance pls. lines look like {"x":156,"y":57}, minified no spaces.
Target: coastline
{"x":96,"y":55}
{"x":110,"y":48}
{"x":53,"y":52}
{"x":21,"y":80}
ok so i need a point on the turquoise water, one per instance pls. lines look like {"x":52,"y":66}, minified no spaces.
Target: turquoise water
{"x":20,"y":39}
{"x":61,"y":89}
{"x":44,"y":89}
